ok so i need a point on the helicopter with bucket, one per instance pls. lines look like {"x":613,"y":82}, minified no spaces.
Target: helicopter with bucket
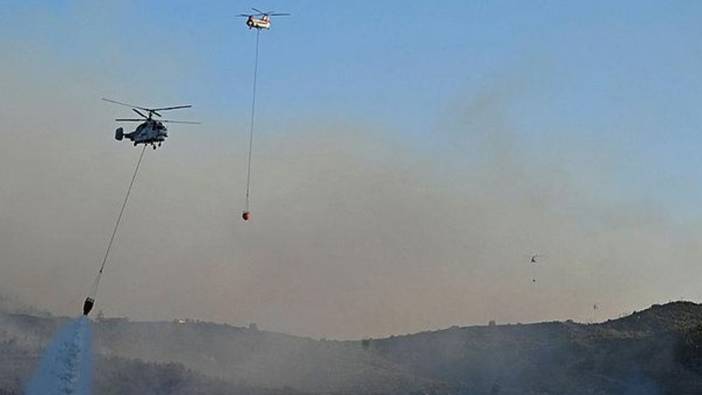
{"x":261,"y":20}
{"x":151,"y":130}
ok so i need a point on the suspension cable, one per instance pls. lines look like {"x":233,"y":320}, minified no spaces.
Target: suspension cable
{"x":252,"y":123}
{"x":93,"y":290}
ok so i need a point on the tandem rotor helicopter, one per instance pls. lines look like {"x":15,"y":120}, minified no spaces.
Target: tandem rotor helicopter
{"x":260,"y":20}
{"x":151,"y":131}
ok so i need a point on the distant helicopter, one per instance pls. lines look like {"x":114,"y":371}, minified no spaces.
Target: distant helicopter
{"x":261,"y":20}
{"x":151,"y":131}
{"x":535,"y":259}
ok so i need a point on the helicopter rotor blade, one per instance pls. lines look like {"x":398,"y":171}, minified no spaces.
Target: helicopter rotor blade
{"x":280,"y":14}
{"x":170,"y":108}
{"x":259,"y":11}
{"x":128,"y":120}
{"x":125,"y":104}
{"x":140,"y":113}
{"x":245,"y":15}
{"x":183,"y":122}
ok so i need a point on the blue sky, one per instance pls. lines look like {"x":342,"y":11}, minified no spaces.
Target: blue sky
{"x":605,"y":92}
{"x":588,"y":64}
{"x":622,"y":77}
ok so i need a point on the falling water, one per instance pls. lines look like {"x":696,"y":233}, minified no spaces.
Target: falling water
{"x":66,"y":366}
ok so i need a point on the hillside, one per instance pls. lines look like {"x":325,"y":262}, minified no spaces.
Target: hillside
{"x":655,"y":351}
{"x":124,"y":376}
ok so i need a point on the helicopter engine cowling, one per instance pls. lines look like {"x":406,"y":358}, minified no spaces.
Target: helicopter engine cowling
{"x":119,"y":134}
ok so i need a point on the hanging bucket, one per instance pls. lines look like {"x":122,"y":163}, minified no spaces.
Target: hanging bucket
{"x":88,"y":305}
{"x":246,"y":215}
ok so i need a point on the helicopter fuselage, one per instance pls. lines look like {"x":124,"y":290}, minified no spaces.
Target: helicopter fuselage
{"x":258,"y":23}
{"x":150,"y":132}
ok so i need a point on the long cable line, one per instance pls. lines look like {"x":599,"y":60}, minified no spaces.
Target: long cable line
{"x":93,"y":291}
{"x":251,"y":126}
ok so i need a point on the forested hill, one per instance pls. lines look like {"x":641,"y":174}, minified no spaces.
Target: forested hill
{"x":655,"y":351}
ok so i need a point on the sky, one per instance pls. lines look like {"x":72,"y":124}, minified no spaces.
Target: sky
{"x":409,"y":157}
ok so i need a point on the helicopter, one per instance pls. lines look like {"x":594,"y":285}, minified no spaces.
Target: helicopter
{"x":151,"y":131}
{"x":261,"y":20}
{"x":535,"y":259}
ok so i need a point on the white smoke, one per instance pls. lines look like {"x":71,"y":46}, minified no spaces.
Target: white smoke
{"x":66,"y":366}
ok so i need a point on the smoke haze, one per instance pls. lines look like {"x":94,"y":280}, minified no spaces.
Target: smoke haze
{"x":357,"y":230}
